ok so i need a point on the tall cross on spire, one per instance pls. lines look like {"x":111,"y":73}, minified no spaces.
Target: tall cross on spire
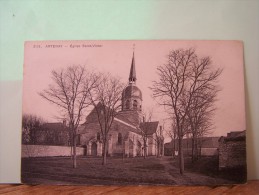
{"x":132,"y":75}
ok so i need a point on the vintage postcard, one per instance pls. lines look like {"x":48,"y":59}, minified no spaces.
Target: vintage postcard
{"x":133,"y":113}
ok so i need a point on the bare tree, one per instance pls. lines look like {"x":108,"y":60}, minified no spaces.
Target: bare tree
{"x":200,"y":116}
{"x":70,"y":91}
{"x":180,"y":79}
{"x":31,"y":126}
{"x":106,"y":99}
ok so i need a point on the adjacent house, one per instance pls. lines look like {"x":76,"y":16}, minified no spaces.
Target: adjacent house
{"x":207,"y":146}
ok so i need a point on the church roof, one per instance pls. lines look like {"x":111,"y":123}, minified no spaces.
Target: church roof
{"x":149,"y":127}
{"x":123,"y":118}
{"x":92,"y":118}
{"x":132,"y":75}
{"x":132,"y":91}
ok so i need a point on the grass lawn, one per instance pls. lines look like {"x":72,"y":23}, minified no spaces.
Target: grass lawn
{"x":130,"y":171}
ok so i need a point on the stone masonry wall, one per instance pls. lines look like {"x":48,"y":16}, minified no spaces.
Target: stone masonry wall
{"x":232,"y":154}
{"x":43,"y":150}
{"x":89,"y":135}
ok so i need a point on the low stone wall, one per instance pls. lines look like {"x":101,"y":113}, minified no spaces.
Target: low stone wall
{"x":209,"y":151}
{"x":43,"y":150}
{"x":203,"y":151}
{"x":232,"y":154}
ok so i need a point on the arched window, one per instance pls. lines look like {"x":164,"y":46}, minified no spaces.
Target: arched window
{"x":135,"y":105}
{"x":119,"y":139}
{"x":127,"y":104}
{"x":98,"y":136}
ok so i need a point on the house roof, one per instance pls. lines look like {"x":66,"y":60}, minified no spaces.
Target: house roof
{"x":149,"y":127}
{"x":206,"y":142}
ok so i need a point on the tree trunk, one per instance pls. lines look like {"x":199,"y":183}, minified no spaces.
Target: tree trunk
{"x":71,"y":151}
{"x":104,"y":153}
{"x":199,"y":145}
{"x":195,"y":149}
{"x":181,"y":157}
{"x":192,"y":149}
{"x":163,"y":148}
{"x":74,"y":152}
{"x":124,"y":151}
{"x":145,"y":150}
{"x":173,"y":148}
{"x":158,"y":150}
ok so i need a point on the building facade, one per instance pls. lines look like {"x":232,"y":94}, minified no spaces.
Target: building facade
{"x":126,"y":136}
{"x":207,"y":146}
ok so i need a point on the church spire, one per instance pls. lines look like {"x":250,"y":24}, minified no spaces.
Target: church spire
{"x":132,"y":75}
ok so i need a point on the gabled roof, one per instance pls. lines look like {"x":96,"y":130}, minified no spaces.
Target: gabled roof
{"x":93,"y":114}
{"x":149,"y":127}
{"x":123,"y":118}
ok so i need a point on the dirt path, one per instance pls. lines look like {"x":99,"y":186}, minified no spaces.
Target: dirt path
{"x":189,"y":178}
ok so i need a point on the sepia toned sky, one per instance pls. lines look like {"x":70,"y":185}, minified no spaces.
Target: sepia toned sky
{"x":115,"y":57}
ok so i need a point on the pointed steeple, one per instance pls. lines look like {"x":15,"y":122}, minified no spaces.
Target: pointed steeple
{"x":132,"y":75}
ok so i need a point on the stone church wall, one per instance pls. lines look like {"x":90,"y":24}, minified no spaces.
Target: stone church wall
{"x":89,"y":136}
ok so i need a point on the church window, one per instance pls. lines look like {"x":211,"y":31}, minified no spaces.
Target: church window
{"x":127,"y":104}
{"x":135,"y":104}
{"x":98,"y":136}
{"x":119,"y":139}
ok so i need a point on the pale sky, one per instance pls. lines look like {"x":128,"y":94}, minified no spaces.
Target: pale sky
{"x":115,"y":57}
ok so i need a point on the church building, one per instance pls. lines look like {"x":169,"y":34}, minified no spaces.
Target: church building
{"x":129,"y":131}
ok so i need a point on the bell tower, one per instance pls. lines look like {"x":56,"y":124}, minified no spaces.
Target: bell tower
{"x":132,"y":97}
